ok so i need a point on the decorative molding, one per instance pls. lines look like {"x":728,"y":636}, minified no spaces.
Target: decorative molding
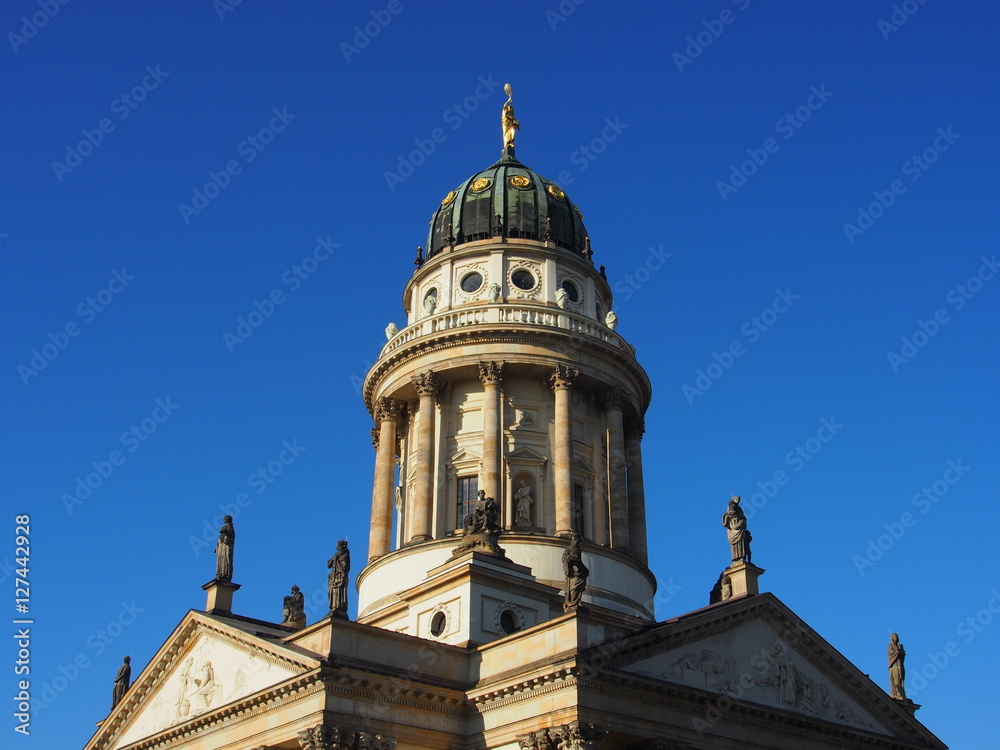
{"x":576,"y":735}
{"x":387,"y":408}
{"x":563,"y":377}
{"x":427,"y":383}
{"x":323,"y":737}
{"x":615,"y":398}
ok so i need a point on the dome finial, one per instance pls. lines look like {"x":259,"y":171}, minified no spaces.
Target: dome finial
{"x":508,"y":122}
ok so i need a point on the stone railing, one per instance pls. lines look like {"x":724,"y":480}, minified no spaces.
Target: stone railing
{"x":503,"y":315}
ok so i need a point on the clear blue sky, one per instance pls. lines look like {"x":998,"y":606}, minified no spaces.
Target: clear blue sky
{"x":837,"y":111}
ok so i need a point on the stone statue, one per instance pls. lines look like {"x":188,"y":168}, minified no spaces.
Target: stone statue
{"x":523,"y":501}
{"x":507,"y":120}
{"x":576,"y":574}
{"x":293,"y":611}
{"x":897,"y":672}
{"x":494,"y":292}
{"x":224,"y":550}
{"x":485,"y":518}
{"x":430,"y":303}
{"x":122,"y":681}
{"x":391,"y":330}
{"x":735,"y":521}
{"x":611,"y":320}
{"x":562,"y":297}
{"x":340,"y":567}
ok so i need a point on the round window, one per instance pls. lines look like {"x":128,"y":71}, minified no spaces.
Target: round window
{"x":571,"y":291}
{"x":438,"y":623}
{"x":472,"y":282}
{"x":523,"y":279}
{"x":509,"y":622}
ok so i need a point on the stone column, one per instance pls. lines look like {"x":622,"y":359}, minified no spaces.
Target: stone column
{"x":562,"y":452}
{"x":420,"y":505}
{"x":614,"y":402}
{"x":387,"y":414}
{"x":636,"y":491}
{"x":491,"y":375}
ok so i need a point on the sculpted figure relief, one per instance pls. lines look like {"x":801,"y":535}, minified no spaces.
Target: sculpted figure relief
{"x":523,"y":501}
{"x":293,"y":612}
{"x":485,"y":519}
{"x":897,"y":672}
{"x":340,"y":567}
{"x":122,"y":681}
{"x":224,"y":550}
{"x":735,"y":521}
{"x":576,"y":573}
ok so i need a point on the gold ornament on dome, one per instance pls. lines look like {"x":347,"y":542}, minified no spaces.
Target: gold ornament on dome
{"x":448,"y":198}
{"x":556,"y":192}
{"x":578,"y":211}
{"x":481,"y":184}
{"x":508,"y":123}
{"x":519,"y":181}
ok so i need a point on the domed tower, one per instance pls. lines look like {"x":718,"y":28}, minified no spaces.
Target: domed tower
{"x":508,"y":378}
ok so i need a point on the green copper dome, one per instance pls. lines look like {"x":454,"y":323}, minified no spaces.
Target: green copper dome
{"x":508,"y":200}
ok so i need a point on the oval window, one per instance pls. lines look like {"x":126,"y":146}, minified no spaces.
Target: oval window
{"x":509,"y":622}
{"x":438,"y":623}
{"x":571,"y":291}
{"x":472,"y":282}
{"x":523,"y":280}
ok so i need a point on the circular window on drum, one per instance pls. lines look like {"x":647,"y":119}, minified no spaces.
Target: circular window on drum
{"x":508,"y":619}
{"x":572,"y":291}
{"x":471,"y":282}
{"x":439,"y":623}
{"x":523,"y":280}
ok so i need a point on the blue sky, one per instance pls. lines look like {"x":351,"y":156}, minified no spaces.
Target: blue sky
{"x":796,"y":204}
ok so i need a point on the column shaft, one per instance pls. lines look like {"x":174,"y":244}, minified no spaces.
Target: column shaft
{"x":423,"y":487}
{"x":616,"y":471}
{"x":491,"y":375}
{"x":636,"y":495}
{"x":383,"y":489}
{"x":562,"y":450}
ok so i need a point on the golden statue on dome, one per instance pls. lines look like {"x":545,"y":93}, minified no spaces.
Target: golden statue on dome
{"x":508,"y":122}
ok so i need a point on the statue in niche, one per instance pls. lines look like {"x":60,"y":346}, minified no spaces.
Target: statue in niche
{"x":611,"y":320}
{"x":340,"y":567}
{"x":735,"y":521}
{"x":391,"y":330}
{"x":224,"y":550}
{"x":293,"y":611}
{"x":122,"y":681}
{"x":576,"y":574}
{"x":897,"y":672}
{"x":523,"y":502}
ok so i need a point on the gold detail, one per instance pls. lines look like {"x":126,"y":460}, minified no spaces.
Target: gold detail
{"x":519,"y":181}
{"x":578,"y":211}
{"x":556,"y":192}
{"x":508,"y":123}
{"x":481,"y":184}
{"x":448,"y":198}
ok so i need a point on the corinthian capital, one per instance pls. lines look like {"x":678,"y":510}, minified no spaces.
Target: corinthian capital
{"x":319,"y":737}
{"x":563,"y":377}
{"x":491,"y":372}
{"x":615,"y":398}
{"x":387,"y":408}
{"x":427,"y":383}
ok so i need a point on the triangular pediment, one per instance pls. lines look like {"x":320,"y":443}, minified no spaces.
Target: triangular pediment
{"x":524,"y":453}
{"x":207,"y":663}
{"x":754,"y":650}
